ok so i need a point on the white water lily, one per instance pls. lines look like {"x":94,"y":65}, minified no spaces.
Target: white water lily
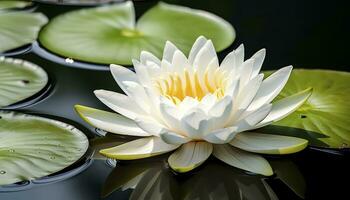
{"x":197,"y":107}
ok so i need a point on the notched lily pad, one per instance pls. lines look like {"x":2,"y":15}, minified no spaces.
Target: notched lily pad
{"x":8,"y":4}
{"x":117,"y":38}
{"x":32,"y":147}
{"x":324,"y":119}
{"x":19,"y":80}
{"x":19,"y":28}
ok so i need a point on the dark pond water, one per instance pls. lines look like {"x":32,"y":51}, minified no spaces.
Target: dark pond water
{"x":306,"y":34}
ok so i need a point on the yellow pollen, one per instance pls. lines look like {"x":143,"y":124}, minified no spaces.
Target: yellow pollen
{"x":176,"y":89}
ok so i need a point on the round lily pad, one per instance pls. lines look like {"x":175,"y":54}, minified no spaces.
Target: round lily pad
{"x":19,"y":28}
{"x":108,"y":35}
{"x":324,"y":119}
{"x":19,"y":80}
{"x":8,"y":4}
{"x":32,"y":147}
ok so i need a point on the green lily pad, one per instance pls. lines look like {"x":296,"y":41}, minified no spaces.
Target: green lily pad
{"x":19,"y":80}
{"x":32,"y":147}
{"x":116,"y":38}
{"x":19,"y":28}
{"x":14,"y":4}
{"x":324,"y":119}
{"x":77,"y":2}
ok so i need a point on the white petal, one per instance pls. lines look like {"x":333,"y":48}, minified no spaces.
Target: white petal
{"x":174,"y":138}
{"x":221,"y":136}
{"x":169,"y":51}
{"x":190,"y":156}
{"x":239,"y":56}
{"x":110,"y":122}
{"x":251,"y":120}
{"x":151,"y":126}
{"x":268,"y":144}
{"x":142,"y":73}
{"x":271,"y":87}
{"x":246,"y":72}
{"x":120,"y":103}
{"x":148,"y":58}
{"x":248,"y":92}
{"x":228,"y":64}
{"x":259,"y":59}
{"x":204,"y":56}
{"x":286,"y":106}
{"x":138,"y":94}
{"x":171,"y":116}
{"x":137,"y":149}
{"x":197,"y":46}
{"x":220,"y":112}
{"x":195,"y":123}
{"x":242,"y":159}
{"x":122,"y":74}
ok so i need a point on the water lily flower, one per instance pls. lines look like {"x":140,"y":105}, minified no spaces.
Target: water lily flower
{"x":197,"y":107}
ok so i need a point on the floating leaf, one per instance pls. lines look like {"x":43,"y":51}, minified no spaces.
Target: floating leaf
{"x":115,"y":38}
{"x":19,"y":28}
{"x":13,"y":4}
{"x":32,"y":147}
{"x":19,"y":80}
{"x":324,"y":119}
{"x":77,"y":2}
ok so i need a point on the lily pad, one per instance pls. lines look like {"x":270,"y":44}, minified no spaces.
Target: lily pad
{"x":324,"y":119}
{"x":19,"y":28}
{"x":19,"y":80}
{"x":32,"y":147}
{"x":77,"y":2}
{"x":116,"y":38}
{"x":13,"y":4}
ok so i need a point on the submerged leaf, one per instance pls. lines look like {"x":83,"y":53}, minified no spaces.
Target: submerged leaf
{"x":119,"y":38}
{"x":19,"y":28}
{"x":32,"y":147}
{"x":324,"y":118}
{"x":19,"y":80}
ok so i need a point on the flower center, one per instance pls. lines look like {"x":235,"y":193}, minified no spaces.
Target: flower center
{"x":176,"y":87}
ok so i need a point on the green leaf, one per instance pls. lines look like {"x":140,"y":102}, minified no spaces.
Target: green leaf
{"x":13,"y":4}
{"x":19,"y":80}
{"x":116,"y":38}
{"x":19,"y":28}
{"x":32,"y":147}
{"x":324,"y":118}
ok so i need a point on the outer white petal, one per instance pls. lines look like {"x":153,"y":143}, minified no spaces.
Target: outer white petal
{"x":190,"y":156}
{"x":122,"y":74}
{"x":271,"y":87}
{"x":268,"y":144}
{"x":174,"y":138}
{"x":239,"y":52}
{"x":242,"y":159}
{"x":286,"y":106}
{"x":148,"y":58}
{"x":259,"y":59}
{"x":219,"y":114}
{"x":248,"y":92}
{"x":221,"y":136}
{"x":197,"y":46}
{"x":246,"y":72}
{"x":120,"y":103}
{"x":110,"y":122}
{"x":137,"y":149}
{"x":228,"y":64}
{"x":169,"y":51}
